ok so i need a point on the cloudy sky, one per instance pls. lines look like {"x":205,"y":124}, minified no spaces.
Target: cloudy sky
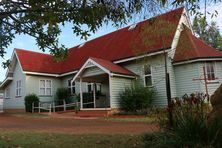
{"x":70,"y":40}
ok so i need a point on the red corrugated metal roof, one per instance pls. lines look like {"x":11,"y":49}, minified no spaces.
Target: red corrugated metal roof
{"x":190,"y":47}
{"x":146,"y":37}
{"x":112,"y":67}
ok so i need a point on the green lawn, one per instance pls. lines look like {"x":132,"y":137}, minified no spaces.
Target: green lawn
{"x":41,"y":140}
{"x":144,"y":120}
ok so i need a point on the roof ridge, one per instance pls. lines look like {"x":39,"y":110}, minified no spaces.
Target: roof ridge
{"x":32,"y":51}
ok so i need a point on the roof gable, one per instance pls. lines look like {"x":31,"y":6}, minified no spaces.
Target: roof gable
{"x":190,"y":48}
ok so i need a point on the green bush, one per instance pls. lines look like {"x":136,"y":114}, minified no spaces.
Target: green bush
{"x":190,"y":126}
{"x":29,"y":99}
{"x":87,"y":97}
{"x":62,"y":93}
{"x":136,"y":98}
{"x":190,"y":123}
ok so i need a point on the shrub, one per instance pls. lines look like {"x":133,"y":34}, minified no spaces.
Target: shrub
{"x":29,"y":99}
{"x":190,"y":128}
{"x":62,"y":93}
{"x":136,"y":98}
{"x":87,"y":97}
{"x":190,"y":123}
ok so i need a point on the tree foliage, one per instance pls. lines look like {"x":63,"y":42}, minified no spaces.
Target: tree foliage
{"x":42,"y":19}
{"x":208,"y":32}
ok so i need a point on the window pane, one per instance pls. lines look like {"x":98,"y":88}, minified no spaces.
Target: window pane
{"x":89,"y":87}
{"x":212,"y":76}
{"x":48,"y":83}
{"x":16,"y":92}
{"x":148,"y":81}
{"x":73,"y":90}
{"x":42,"y":91}
{"x":147,"y":69}
{"x":210,"y":71}
{"x":69,"y":82}
{"x":42,"y":83}
{"x":48,"y":91}
{"x":19,"y":92}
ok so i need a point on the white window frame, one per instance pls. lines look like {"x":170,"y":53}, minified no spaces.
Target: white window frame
{"x":91,"y":85}
{"x":7,"y":93}
{"x":45,"y":88}
{"x":18,"y":90}
{"x":71,"y":86}
{"x":147,"y":75}
{"x":215,"y":71}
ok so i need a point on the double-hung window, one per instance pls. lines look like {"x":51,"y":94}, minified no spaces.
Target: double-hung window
{"x":45,"y":87}
{"x":210,"y":71}
{"x":71,"y":87}
{"x":18,"y":88}
{"x":147,"y":75}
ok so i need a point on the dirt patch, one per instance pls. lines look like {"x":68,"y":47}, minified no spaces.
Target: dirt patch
{"x":73,"y":126}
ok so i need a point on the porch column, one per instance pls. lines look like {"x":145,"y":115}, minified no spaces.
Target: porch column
{"x":81,"y":97}
{"x":94,"y":94}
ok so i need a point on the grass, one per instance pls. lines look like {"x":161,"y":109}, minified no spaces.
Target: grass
{"x":143,"y":120}
{"x":39,"y":140}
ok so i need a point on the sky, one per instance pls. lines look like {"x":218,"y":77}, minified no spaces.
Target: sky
{"x":69,"y":39}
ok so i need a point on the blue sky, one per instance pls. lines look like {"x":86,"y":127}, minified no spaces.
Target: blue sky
{"x":69,"y":39}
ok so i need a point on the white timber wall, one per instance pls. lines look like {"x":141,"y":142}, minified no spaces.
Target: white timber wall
{"x":14,"y":102}
{"x":212,"y":85}
{"x":117,"y":85}
{"x":157,"y":64}
{"x":184,"y":79}
{"x":185,"y":74}
{"x":33,"y":84}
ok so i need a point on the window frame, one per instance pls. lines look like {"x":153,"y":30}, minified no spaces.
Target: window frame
{"x":7,"y":92}
{"x":71,"y":86}
{"x":147,"y":75}
{"x":214,"y":71}
{"x":18,"y":89}
{"x":45,"y":88}
{"x":91,"y":85}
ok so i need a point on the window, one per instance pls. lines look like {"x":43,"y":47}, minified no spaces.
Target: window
{"x":90,"y":87}
{"x":45,"y":87}
{"x":18,"y":88}
{"x":147,"y":75}
{"x":98,"y":87}
{"x":210,"y":71}
{"x":7,"y":93}
{"x":71,"y":87}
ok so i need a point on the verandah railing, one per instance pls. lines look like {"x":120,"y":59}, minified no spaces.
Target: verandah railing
{"x":52,"y":106}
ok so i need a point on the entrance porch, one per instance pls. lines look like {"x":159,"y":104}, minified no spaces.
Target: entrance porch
{"x":104,"y":81}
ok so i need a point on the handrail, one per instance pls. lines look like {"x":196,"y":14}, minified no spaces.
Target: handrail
{"x":88,"y":103}
{"x":51,"y":106}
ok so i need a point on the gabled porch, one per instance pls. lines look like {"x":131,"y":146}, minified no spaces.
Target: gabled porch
{"x":100,"y":76}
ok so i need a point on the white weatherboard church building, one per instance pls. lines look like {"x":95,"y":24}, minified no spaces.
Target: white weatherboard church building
{"x":111,"y":63}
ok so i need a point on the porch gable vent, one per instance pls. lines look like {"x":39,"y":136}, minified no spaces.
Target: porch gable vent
{"x":132,"y":27}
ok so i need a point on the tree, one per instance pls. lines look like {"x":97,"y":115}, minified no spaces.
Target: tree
{"x":42,"y":18}
{"x":209,"y":33}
